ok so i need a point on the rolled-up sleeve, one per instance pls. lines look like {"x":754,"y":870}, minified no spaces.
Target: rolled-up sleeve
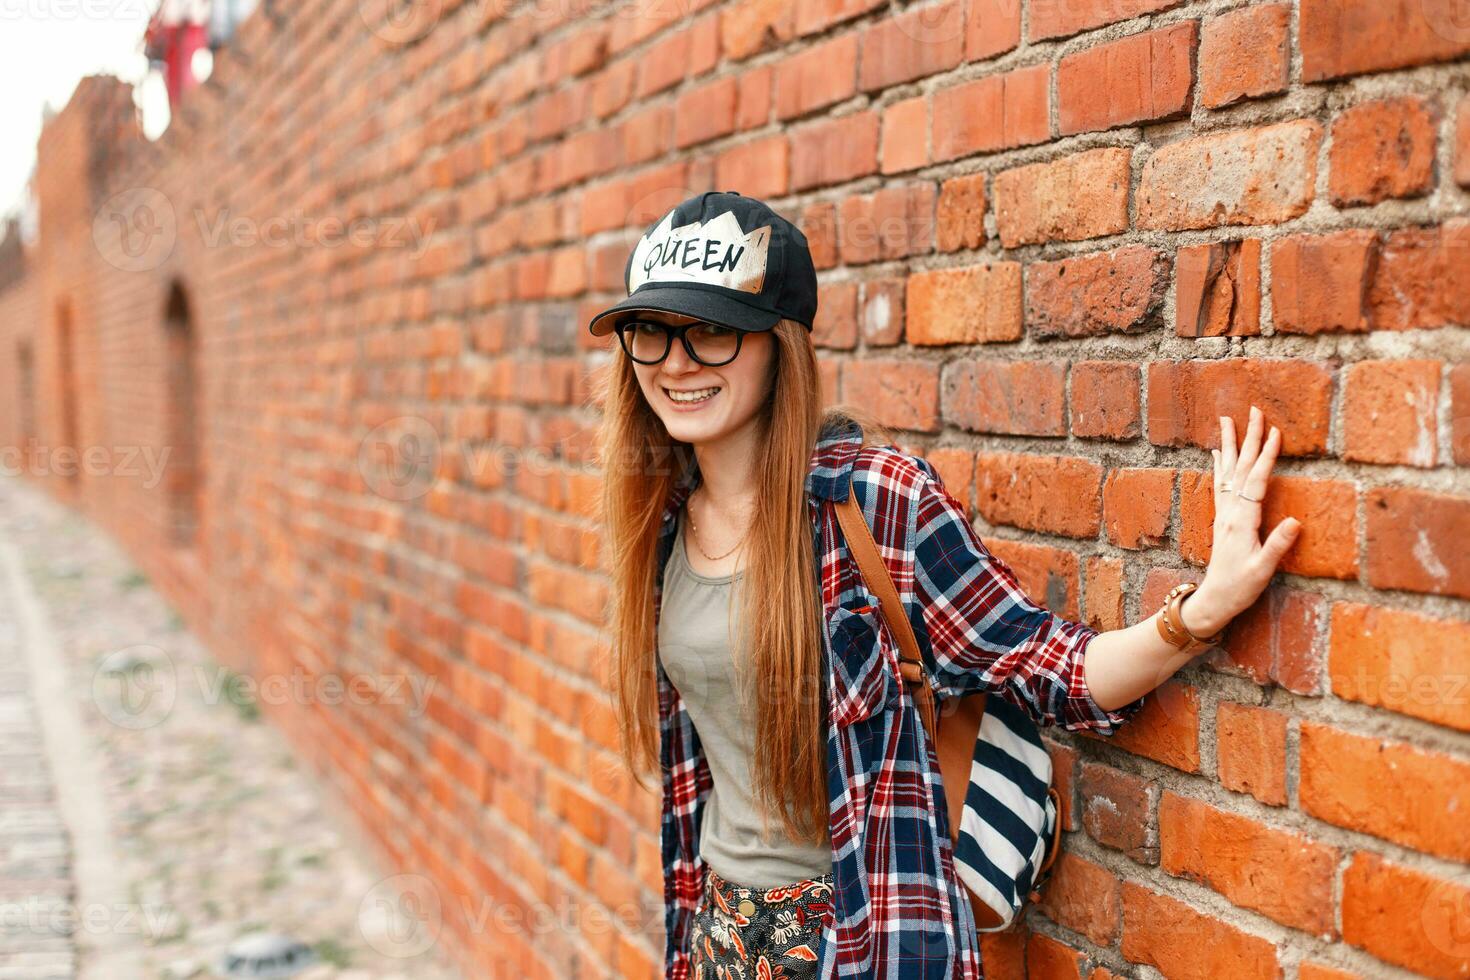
{"x":986,"y":635}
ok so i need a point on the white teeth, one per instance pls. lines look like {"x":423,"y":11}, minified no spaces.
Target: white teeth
{"x":691,"y":396}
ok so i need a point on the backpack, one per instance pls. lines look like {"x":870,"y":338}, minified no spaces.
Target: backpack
{"x":1004,"y":812}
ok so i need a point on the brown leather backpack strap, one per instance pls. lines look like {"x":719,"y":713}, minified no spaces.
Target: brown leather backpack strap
{"x":875,"y":574}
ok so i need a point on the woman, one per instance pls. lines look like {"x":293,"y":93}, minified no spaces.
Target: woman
{"x":744,"y":666}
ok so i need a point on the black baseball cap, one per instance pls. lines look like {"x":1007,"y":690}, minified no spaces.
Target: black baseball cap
{"x":723,"y":258}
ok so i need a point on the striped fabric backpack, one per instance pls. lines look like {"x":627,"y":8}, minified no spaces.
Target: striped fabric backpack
{"x":1004,"y":813}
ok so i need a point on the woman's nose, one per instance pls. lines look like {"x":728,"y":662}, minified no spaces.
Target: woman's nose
{"x":678,"y":361}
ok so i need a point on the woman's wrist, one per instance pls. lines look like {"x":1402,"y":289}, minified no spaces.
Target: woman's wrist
{"x":1200,"y":615}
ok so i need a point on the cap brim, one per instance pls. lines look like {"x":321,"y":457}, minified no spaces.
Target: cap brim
{"x":702,"y":304}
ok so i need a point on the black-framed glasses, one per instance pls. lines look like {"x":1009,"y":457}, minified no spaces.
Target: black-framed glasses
{"x":649,"y":342}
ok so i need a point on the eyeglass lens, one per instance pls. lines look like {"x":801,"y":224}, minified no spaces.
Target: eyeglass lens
{"x":648,"y":342}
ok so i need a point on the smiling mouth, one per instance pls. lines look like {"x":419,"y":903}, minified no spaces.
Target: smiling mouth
{"x":692,"y":397}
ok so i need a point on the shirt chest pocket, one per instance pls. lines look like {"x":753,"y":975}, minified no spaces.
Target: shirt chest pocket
{"x":863,"y":680}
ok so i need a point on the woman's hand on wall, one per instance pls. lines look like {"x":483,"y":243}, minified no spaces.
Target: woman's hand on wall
{"x":1241,"y":564}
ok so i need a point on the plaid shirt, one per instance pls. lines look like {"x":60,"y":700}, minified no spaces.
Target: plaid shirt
{"x":900,"y":912}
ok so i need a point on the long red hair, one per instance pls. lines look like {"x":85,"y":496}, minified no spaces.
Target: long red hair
{"x":781,"y":606}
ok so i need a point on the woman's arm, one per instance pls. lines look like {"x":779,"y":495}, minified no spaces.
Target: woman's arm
{"x":1125,"y":664}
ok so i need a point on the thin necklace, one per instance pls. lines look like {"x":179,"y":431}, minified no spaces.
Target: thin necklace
{"x":695,"y":535}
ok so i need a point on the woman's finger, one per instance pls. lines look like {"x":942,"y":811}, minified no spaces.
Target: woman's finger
{"x":1282,"y":537}
{"x":1250,"y":447}
{"x":1252,"y":492}
{"x":1259,"y":477}
{"x":1227,"y":449}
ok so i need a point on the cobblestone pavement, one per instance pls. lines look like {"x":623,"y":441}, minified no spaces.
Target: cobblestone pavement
{"x":35,"y":855}
{"x":171,"y":819}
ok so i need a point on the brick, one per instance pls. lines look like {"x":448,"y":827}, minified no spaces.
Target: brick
{"x":664,"y":66}
{"x":1121,"y":291}
{"x":961,"y":216}
{"x":892,"y":223}
{"x":820,"y":76}
{"x":1349,"y":37}
{"x":819,"y":225}
{"x":1047,"y":576}
{"x":749,"y":26}
{"x":1188,"y":945}
{"x":1283,"y":875}
{"x":1136,"y":506}
{"x":753,"y":104}
{"x":1116,"y":808}
{"x":914,"y":44}
{"x":1321,"y":283}
{"x":818,"y":15}
{"x":905,"y":136}
{"x":1242,"y":177}
{"x":1062,"y":495}
{"x":758,"y":168}
{"x":956,"y":471}
{"x":965,"y":305}
{"x":1327,"y":545}
{"x":1361,"y":783}
{"x":1250,"y":751}
{"x":1419,"y":280}
{"x":648,"y":134}
{"x":1186,"y":399}
{"x":705,"y":113}
{"x":1059,"y":18}
{"x":1105,"y":400}
{"x":835,"y":326}
{"x":1045,"y":957}
{"x":1316,"y":971}
{"x":1218,"y":289}
{"x":1245,"y":54}
{"x":1404,"y":916}
{"x":1403,"y":661}
{"x":1412,"y":541}
{"x":1085,"y":898}
{"x":1166,"y":728}
{"x":1105,"y":593}
{"x":1004,"y":953}
{"x":1012,"y":397}
{"x":1462,"y":144}
{"x":834,"y":150}
{"x":1389,"y":411}
{"x":903,"y":394}
{"x":1460,"y":413}
{"x":883,"y":312}
{"x":1064,"y":778}
{"x":1140,"y":78}
{"x":992,"y":28}
{"x":1077,"y":197}
{"x":997,"y":112}
{"x":1383,"y":150}
{"x":1278,"y":638}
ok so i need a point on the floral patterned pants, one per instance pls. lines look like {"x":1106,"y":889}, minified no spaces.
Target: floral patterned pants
{"x":767,"y":933}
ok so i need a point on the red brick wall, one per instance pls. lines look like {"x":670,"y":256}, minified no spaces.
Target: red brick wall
{"x":1056,"y":239}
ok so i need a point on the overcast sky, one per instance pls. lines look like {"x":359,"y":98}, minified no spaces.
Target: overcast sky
{"x":46,"y":47}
